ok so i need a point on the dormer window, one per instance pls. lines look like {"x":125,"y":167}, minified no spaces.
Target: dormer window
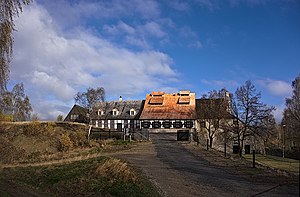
{"x":100,"y":112}
{"x":115,"y":112}
{"x":132,"y":112}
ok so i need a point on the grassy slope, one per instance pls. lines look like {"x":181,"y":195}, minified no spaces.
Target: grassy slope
{"x":35,"y":142}
{"x":31,"y":141}
{"x":75,"y":179}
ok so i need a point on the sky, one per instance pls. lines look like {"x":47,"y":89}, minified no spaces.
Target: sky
{"x":134,"y":47}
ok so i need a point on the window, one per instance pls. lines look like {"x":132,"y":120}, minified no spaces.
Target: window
{"x":177,"y":124}
{"x":132,"y":112}
{"x":146,"y":124}
{"x":115,"y":112}
{"x":156,"y":124}
{"x":100,"y":112}
{"x":167,"y":124}
{"x":74,"y":116}
{"x":188,"y":124}
{"x":202,"y":124}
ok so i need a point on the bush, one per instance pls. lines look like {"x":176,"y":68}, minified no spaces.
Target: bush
{"x":115,"y":170}
{"x":65,"y":142}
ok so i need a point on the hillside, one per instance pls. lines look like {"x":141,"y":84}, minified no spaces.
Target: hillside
{"x":34,"y":141}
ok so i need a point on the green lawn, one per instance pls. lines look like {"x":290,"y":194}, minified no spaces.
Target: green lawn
{"x":290,"y":165}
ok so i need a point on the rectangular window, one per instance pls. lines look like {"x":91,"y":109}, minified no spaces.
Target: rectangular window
{"x":156,"y":124}
{"x":167,"y":124}
{"x":177,"y":124}
{"x":74,"y":116}
{"x":146,"y":125}
{"x":188,"y":124}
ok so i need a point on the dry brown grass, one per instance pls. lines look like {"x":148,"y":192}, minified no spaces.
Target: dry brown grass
{"x":114,"y":169}
{"x":31,"y":141}
{"x":65,"y":142}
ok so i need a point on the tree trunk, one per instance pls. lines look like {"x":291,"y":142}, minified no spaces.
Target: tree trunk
{"x":241,"y":147}
{"x":211,"y":141}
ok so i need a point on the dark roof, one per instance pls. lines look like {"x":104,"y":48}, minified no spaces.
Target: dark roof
{"x":78,"y":110}
{"x":212,"y":108}
{"x":123,"y":107}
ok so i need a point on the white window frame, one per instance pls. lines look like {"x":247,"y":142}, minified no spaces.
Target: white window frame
{"x":100,"y":112}
{"x":115,"y":112}
{"x":130,"y":112}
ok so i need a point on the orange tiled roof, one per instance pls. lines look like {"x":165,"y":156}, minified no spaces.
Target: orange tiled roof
{"x":163,"y":106}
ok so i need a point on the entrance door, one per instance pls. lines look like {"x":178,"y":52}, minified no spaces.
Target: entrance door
{"x":183,"y":135}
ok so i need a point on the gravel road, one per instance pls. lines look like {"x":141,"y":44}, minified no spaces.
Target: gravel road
{"x":177,"y":171}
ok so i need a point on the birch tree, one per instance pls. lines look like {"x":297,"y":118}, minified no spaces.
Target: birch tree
{"x":8,"y":10}
{"x":16,"y":103}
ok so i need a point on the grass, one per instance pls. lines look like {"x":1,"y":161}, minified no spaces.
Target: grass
{"x":93,"y":177}
{"x":290,"y":165}
{"x":122,"y":142}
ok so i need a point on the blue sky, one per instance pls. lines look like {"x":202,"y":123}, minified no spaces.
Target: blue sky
{"x":134,"y":47}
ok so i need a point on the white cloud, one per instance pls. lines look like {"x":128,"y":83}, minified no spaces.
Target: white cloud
{"x":69,"y":13}
{"x":191,"y":37}
{"x":220,"y":83}
{"x":178,"y":5}
{"x":209,"y":4}
{"x":153,"y":29}
{"x":52,"y":84}
{"x":197,"y":44}
{"x":278,"y":113}
{"x":120,"y":28}
{"x":276,"y":87}
{"x":56,"y":66}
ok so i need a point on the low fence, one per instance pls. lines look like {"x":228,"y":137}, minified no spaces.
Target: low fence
{"x":103,"y":134}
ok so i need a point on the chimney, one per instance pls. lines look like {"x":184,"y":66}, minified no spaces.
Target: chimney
{"x":120,"y":99}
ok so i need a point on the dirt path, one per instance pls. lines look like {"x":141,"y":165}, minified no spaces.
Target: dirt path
{"x":176,"y":171}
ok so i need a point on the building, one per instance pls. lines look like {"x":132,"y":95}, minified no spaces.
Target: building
{"x":78,"y":114}
{"x":117,"y":115}
{"x":168,"y":112}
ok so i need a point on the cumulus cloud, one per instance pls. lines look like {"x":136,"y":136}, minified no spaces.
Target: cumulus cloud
{"x":138,"y":35}
{"x":276,"y":87}
{"x":55,"y":65}
{"x":69,"y":13}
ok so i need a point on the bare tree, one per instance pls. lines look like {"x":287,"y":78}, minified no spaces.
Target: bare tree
{"x":16,"y":103}
{"x":59,"y":118}
{"x":89,"y":98}
{"x":8,"y":10}
{"x":252,"y":117}
{"x":291,"y":115}
{"x":213,"y":109}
